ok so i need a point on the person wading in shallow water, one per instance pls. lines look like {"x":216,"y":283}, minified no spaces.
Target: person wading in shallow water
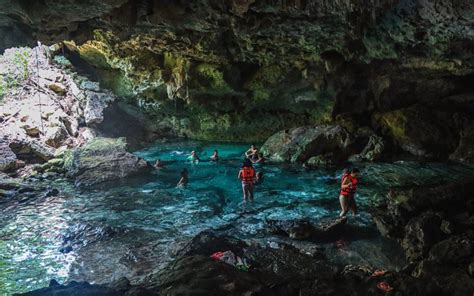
{"x":183,"y":181}
{"x":247,"y":176}
{"x":348,"y":191}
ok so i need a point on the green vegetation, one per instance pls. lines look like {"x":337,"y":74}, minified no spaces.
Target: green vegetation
{"x":16,"y":70}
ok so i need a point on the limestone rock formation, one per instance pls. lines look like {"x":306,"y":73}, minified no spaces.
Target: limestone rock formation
{"x":242,"y":70}
{"x":300,"y":144}
{"x":102,"y":159}
{"x":7,"y":157}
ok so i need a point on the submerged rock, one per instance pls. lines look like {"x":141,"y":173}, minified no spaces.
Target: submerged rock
{"x":102,"y":159}
{"x":302,"y":143}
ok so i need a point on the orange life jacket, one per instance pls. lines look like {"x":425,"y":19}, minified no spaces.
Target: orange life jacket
{"x":248,"y":174}
{"x":351,"y":189}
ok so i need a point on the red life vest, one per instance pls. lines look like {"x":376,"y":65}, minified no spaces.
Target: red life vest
{"x":351,"y":189}
{"x":248,"y":174}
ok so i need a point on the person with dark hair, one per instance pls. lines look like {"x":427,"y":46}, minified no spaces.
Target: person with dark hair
{"x":215,"y":156}
{"x":247,"y":176}
{"x":183,"y":181}
{"x":252,"y":152}
{"x":348,"y":191}
{"x":159,"y":164}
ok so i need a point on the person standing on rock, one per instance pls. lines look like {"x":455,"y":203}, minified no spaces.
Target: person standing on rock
{"x":348,"y":191}
{"x":247,"y":176}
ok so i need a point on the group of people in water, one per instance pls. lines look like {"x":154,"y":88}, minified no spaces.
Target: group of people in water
{"x":249,"y":178}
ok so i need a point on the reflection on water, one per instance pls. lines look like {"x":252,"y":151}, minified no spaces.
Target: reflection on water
{"x":132,"y":227}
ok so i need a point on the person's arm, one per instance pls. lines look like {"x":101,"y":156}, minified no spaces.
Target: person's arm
{"x":346,"y":183}
{"x":240,"y":175}
{"x":181,"y":181}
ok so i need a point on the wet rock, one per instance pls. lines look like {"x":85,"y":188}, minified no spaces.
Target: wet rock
{"x":304,"y":230}
{"x":321,"y":161}
{"x":300,"y":144}
{"x":72,"y":289}
{"x":212,"y":278}
{"x":296,"y":229}
{"x":207,"y":243}
{"x":453,"y":250}
{"x":100,"y":160}
{"x":420,"y":234}
{"x":55,"y":136}
{"x":7,"y":157}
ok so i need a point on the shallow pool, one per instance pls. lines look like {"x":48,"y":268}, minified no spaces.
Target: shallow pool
{"x":132,"y":227}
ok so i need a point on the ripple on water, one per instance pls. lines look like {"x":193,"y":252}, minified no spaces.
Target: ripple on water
{"x":155,"y":217}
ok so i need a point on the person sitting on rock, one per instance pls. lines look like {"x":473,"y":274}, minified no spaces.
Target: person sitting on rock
{"x":193,"y":157}
{"x":348,"y":191}
{"x":184,"y":178}
{"x":215,"y":156}
{"x":252,"y":152}
{"x":159,"y":164}
{"x":247,"y":176}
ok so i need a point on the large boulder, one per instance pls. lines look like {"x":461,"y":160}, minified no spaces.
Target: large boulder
{"x":7,"y":157}
{"x":300,"y":144}
{"x":420,"y":234}
{"x":102,"y":159}
{"x":32,"y":150}
{"x":419,"y":131}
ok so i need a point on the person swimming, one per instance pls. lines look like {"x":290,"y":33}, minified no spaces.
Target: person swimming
{"x":159,"y":164}
{"x":183,"y":181}
{"x":215,"y":156}
{"x":193,"y":157}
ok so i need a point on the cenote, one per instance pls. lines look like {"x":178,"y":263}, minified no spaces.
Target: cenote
{"x":131,"y":227}
{"x":92,"y":94}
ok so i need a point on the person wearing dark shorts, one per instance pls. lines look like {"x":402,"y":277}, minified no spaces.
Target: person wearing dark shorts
{"x":348,"y":191}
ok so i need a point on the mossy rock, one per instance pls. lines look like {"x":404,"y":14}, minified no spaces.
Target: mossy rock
{"x":420,"y":131}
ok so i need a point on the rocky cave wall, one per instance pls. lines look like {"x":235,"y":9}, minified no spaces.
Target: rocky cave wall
{"x":241,"y":70}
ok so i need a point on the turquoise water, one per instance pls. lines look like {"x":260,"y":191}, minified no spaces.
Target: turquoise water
{"x":134,"y":226}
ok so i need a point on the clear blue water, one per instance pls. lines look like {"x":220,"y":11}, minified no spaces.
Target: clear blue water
{"x":131,"y":227}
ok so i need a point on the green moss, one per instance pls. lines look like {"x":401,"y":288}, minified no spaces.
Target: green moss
{"x":213,"y":76}
{"x":395,"y":122}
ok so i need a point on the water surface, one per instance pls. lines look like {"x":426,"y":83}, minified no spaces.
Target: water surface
{"x":132,"y":227}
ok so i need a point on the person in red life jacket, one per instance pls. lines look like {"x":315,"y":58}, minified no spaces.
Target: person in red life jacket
{"x":348,"y":190}
{"x":247,"y":176}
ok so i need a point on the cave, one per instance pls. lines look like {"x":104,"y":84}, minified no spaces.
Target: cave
{"x":135,"y":134}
